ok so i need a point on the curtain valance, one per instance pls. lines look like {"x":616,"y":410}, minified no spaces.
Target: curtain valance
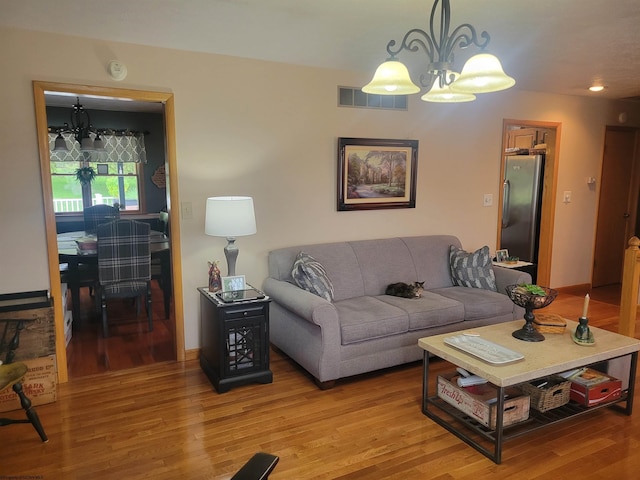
{"x":117,"y":148}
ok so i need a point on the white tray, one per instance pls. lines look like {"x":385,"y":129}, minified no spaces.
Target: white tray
{"x":483,"y":349}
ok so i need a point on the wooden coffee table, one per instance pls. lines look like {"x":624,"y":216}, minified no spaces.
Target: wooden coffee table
{"x":557,"y":353}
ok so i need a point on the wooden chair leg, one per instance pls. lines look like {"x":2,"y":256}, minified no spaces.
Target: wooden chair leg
{"x":32,"y":416}
{"x":149,"y":310}
{"x":105,"y":327}
{"x":31,"y":413}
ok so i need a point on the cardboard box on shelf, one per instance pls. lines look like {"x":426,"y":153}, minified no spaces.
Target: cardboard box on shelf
{"x":479,"y":402}
{"x":39,"y":384}
{"x":592,"y":387}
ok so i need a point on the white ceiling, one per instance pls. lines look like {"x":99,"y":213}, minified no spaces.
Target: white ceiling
{"x":557,"y":46}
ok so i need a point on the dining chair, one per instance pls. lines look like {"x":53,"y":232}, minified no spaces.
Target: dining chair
{"x":124,"y":265}
{"x":161,"y":266}
{"x":98,"y":214}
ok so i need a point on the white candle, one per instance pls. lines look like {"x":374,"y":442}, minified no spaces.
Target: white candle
{"x":585,"y":308}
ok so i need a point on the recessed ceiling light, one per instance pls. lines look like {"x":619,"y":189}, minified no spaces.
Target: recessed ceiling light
{"x":596,"y":88}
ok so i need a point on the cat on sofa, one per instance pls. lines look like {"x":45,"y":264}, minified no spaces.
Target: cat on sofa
{"x":405,"y":290}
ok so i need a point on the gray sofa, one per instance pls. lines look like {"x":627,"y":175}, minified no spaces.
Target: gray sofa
{"x":363,"y":330}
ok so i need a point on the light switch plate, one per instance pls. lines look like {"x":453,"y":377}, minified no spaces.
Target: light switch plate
{"x":567,"y":196}
{"x":187,"y":211}
{"x":487,"y":200}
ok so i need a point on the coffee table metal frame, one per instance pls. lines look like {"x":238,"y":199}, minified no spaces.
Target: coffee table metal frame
{"x":535,"y":365}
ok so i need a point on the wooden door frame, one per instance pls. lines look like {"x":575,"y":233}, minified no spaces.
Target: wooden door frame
{"x":549,"y":191}
{"x":166,"y":98}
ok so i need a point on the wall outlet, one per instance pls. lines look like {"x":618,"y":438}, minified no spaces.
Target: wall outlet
{"x":566,"y":198}
{"x":187,"y":210}
{"x":487,"y":200}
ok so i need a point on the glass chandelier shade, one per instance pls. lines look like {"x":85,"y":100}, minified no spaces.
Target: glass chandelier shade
{"x":482,"y":74}
{"x":444,"y":94}
{"x":391,"y":78}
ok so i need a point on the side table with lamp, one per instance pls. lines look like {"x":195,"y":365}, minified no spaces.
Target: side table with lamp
{"x":234,"y":325}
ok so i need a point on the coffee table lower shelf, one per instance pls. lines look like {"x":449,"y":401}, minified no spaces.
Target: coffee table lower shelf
{"x":489,"y":442}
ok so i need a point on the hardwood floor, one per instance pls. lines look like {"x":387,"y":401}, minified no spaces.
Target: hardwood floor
{"x":165,"y":421}
{"x":130,"y":343}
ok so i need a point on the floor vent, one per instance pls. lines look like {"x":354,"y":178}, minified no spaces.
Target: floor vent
{"x":355,"y":97}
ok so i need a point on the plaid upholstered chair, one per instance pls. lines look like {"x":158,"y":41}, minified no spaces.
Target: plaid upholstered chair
{"x":124,"y":265}
{"x":97,"y":214}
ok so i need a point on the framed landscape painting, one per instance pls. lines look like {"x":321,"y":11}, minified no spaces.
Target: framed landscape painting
{"x":376,"y":173}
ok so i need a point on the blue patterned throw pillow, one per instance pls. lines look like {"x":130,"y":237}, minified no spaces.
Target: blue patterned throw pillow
{"x":310,"y":275}
{"x":472,"y":269}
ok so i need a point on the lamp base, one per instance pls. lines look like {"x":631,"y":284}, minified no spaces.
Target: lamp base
{"x":231,"y":253}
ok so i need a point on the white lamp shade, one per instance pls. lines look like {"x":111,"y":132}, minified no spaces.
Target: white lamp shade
{"x":391,"y":78}
{"x":230,"y":217}
{"x":445,"y":94}
{"x":482,"y":74}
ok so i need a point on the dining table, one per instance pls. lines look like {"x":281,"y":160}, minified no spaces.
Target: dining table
{"x":70,"y":253}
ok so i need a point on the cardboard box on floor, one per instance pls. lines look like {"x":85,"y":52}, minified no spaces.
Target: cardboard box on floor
{"x":39,"y":384}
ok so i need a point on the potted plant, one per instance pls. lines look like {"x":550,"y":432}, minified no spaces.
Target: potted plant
{"x":85,"y":175}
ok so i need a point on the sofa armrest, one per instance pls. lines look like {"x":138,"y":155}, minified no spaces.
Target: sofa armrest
{"x":304,"y":304}
{"x":509,"y":276}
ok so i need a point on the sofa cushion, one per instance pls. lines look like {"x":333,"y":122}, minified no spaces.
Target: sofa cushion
{"x":478,"y":303}
{"x":472,"y":269}
{"x":430,"y":256}
{"x":430,"y":310}
{"x":364,"y":318}
{"x":310,"y":275}
{"x":383,"y":262}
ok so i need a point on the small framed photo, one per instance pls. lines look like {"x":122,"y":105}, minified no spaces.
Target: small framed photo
{"x":230,"y":284}
{"x":502,"y":255}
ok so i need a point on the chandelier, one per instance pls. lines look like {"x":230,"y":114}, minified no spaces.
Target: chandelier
{"x":81,"y":129}
{"x":482,"y":73}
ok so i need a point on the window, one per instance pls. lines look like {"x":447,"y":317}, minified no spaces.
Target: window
{"x":118,"y":169}
{"x":115,"y":182}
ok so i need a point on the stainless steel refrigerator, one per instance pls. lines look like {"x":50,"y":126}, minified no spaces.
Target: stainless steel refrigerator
{"x":521,"y":199}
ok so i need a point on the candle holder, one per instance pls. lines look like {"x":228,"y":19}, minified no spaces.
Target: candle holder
{"x":530,"y":302}
{"x":582,"y":334}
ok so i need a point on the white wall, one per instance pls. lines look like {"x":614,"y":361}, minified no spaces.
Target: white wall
{"x":270,"y":131}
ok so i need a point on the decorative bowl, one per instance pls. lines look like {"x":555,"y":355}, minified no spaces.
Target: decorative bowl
{"x":530,"y":301}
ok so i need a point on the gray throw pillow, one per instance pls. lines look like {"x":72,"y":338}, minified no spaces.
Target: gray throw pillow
{"x":310,"y":275}
{"x":473,"y":270}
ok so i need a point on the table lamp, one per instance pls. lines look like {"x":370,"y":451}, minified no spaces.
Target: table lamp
{"x":230,"y":217}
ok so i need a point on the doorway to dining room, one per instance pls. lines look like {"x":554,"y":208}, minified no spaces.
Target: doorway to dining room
{"x":130,"y":343}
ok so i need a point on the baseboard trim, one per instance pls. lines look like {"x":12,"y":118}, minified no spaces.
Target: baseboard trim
{"x":580,"y":289}
{"x":192,"y":354}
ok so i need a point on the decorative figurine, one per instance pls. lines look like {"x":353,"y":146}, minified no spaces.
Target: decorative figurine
{"x":215,"y":282}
